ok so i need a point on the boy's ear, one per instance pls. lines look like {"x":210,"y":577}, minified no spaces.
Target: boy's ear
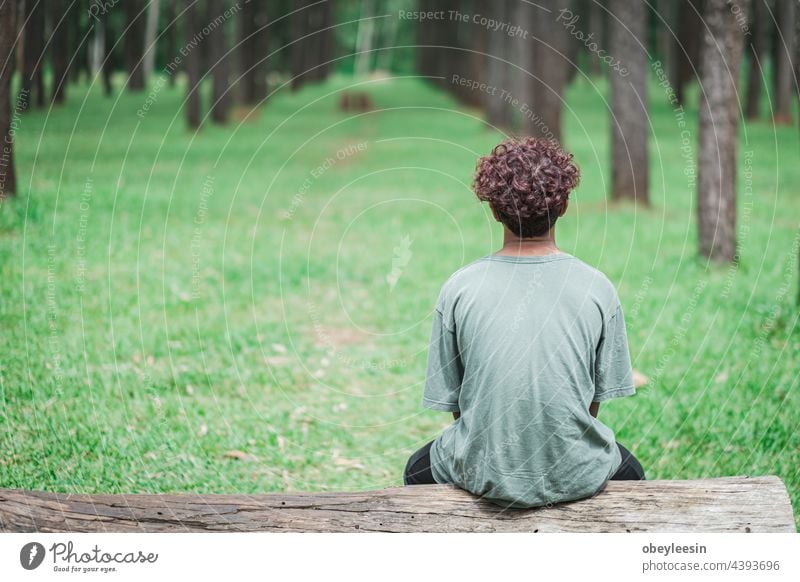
{"x":564,"y":210}
{"x":494,"y":213}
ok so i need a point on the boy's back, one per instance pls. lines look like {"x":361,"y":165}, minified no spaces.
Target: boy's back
{"x":521,"y":346}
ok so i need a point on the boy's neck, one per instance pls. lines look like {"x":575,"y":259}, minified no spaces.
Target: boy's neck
{"x":532,"y":246}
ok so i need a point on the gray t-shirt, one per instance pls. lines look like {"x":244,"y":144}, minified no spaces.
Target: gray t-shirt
{"x":521,"y":346}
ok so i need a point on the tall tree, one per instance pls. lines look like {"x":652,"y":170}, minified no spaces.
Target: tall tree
{"x":300,"y":43}
{"x":665,"y":23}
{"x":252,"y":51}
{"x":193,"y":65}
{"x":551,"y":48}
{"x":134,"y":43}
{"x":170,"y":40}
{"x":150,"y":37}
{"x":597,"y":27}
{"x":77,"y":32}
{"x":690,"y":28}
{"x":721,"y":55}
{"x":109,"y":61}
{"x":61,"y":47}
{"x":8,"y":36}
{"x":312,"y":39}
{"x":364,"y":40}
{"x":219,"y":61}
{"x":34,"y":52}
{"x":478,"y":64}
{"x":629,"y":123}
{"x":521,"y":54}
{"x":785,"y":84}
{"x":327,"y":40}
{"x":759,"y":27}
{"x":498,"y":112}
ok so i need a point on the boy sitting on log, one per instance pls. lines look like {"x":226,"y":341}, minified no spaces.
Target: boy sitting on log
{"x":526,"y":344}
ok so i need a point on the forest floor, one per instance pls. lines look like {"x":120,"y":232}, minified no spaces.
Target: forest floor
{"x":248,"y":309}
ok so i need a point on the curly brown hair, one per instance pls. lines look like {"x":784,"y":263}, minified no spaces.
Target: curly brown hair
{"x":527,"y":182}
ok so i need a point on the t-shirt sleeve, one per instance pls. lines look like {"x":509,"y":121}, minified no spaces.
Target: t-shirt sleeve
{"x":445,"y":370}
{"x":613,"y":376}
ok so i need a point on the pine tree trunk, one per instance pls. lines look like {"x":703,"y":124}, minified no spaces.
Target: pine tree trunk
{"x":109,"y":61}
{"x":450,"y":59}
{"x":300,"y":45}
{"x":722,"y":47}
{"x":364,"y":39}
{"x":134,"y":44}
{"x":170,"y":44}
{"x":690,"y":28}
{"x":759,"y":25}
{"x":192,"y":66}
{"x":8,"y":34}
{"x":33,"y":53}
{"x":522,"y":15}
{"x":597,"y":26}
{"x":220,"y":75}
{"x":478,"y":64}
{"x":252,"y":51}
{"x":497,"y":110}
{"x":150,"y":37}
{"x":76,"y":34}
{"x":665,"y":31}
{"x":60,"y":49}
{"x":327,"y":38}
{"x":784,"y":50}
{"x":551,"y":69}
{"x":629,"y":123}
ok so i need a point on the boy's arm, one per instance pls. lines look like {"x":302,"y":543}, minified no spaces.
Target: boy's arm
{"x":445,"y":370}
{"x":613,"y":375}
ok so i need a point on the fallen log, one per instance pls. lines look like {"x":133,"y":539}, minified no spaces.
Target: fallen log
{"x":730,"y":504}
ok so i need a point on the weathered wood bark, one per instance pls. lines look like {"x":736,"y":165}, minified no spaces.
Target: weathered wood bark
{"x":219,"y":62}
{"x":551,"y":47}
{"x":134,"y":43}
{"x":193,"y":64}
{"x":8,"y":39}
{"x":61,"y":22}
{"x":252,"y":52}
{"x":759,"y":26}
{"x":721,"y":56}
{"x":784,"y":51}
{"x":732,"y":504}
{"x":629,"y":117}
{"x":33,"y":53}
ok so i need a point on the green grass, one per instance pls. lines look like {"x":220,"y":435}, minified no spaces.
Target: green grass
{"x":256,"y":316}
